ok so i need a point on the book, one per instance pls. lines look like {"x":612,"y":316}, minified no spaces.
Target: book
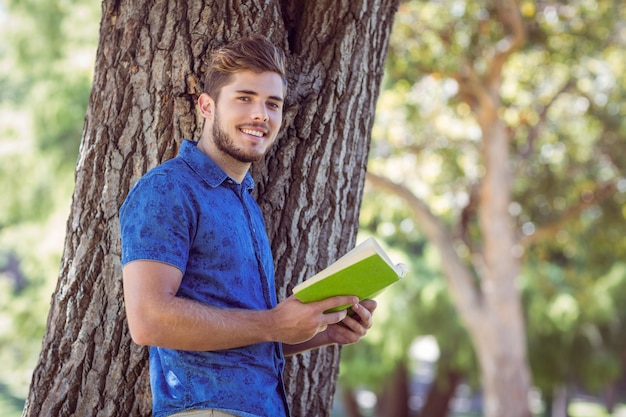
{"x":365,"y":272}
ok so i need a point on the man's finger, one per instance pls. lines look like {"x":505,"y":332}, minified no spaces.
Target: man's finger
{"x":336,"y":317}
{"x":370,"y":305}
{"x":338,"y":301}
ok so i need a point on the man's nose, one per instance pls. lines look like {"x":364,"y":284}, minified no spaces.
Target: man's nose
{"x":260,"y":113}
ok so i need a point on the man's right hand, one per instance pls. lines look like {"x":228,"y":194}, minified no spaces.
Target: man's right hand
{"x":294,"y":322}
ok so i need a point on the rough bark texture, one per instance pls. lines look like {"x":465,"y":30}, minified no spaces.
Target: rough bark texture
{"x":148,"y":74}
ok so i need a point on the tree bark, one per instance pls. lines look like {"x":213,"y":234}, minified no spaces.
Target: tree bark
{"x":148,"y":74}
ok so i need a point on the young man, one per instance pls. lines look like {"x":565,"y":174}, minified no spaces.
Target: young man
{"x":198,"y":270}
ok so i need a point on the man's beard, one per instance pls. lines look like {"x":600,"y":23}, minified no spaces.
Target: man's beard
{"x":225,"y":144}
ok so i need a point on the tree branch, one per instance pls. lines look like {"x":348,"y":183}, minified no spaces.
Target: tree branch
{"x":588,"y":199}
{"x":543,"y":115}
{"x":459,"y":277}
{"x":480,"y":93}
{"x":468,"y":214}
{"x":471,"y":88}
{"x":508,"y":13}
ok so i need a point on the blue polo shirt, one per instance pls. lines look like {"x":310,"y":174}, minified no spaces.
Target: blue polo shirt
{"x":188,"y":213}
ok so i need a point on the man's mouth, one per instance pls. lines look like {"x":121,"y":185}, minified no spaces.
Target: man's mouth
{"x":253,"y":132}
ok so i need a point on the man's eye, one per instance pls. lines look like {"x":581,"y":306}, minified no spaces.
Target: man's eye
{"x":244,"y":98}
{"x":274,"y":105}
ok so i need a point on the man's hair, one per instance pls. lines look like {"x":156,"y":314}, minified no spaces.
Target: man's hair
{"x":254,"y":53}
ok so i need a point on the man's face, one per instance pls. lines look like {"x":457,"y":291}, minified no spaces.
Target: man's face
{"x":248,"y":115}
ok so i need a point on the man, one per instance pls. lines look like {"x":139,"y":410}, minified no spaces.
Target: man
{"x":198,"y":271}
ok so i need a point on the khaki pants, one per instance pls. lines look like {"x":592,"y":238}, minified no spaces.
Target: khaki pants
{"x":202,"y":413}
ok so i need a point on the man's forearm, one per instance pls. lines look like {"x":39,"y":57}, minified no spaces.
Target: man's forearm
{"x":319,"y":340}
{"x":189,"y":325}
{"x":157,"y":317}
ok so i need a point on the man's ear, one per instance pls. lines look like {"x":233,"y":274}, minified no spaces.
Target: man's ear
{"x":206,"y":105}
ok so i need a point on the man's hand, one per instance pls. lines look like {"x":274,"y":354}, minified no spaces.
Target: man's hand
{"x":157,"y":317}
{"x":347,"y":331}
{"x":356,"y":324}
{"x":295,"y":322}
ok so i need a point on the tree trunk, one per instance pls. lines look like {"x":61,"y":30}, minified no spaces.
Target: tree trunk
{"x":440,"y":394}
{"x":490,"y":306}
{"x":498,"y":330}
{"x":350,"y":404}
{"x":560,"y":402}
{"x":394,"y":399}
{"x":492,"y":314}
{"x":148,"y":74}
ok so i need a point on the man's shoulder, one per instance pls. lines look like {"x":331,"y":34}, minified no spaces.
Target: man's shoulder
{"x":171,"y":166}
{"x":164,"y":180}
{"x":171,"y":171}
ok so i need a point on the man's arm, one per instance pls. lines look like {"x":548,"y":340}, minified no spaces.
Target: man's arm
{"x":157,"y":317}
{"x":350,"y":330}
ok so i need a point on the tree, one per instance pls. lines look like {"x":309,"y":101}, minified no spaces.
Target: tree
{"x":491,"y":309}
{"x":148,"y":74}
{"x":507,"y":151}
{"x":419,"y":305}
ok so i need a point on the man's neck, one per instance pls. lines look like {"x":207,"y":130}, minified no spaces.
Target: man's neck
{"x":235,"y":169}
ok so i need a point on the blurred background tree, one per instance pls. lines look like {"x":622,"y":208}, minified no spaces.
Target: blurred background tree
{"x":563,"y":102}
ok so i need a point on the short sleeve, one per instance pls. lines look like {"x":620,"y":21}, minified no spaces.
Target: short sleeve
{"x":156,"y":220}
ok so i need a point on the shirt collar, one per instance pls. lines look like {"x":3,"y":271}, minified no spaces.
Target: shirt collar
{"x":205,"y":167}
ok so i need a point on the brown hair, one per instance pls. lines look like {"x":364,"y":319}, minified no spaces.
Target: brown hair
{"x":254,"y":53}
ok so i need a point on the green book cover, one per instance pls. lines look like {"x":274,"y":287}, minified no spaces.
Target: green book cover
{"x":365,"y":271}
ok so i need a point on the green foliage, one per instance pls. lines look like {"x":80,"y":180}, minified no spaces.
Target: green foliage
{"x":23,"y":308}
{"x":38,"y":191}
{"x":59,"y":127}
{"x":563,"y":98}
{"x":10,"y":405}
{"x":417,"y":305}
{"x":564,"y":104}
{"x":570,"y":322}
{"x":47,"y":53}
{"x":46,"y":58}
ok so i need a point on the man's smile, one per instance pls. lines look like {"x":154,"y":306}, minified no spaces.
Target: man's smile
{"x":253,"y":132}
{"x":259,"y":130}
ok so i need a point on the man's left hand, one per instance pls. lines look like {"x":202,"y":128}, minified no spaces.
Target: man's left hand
{"x":354,"y":326}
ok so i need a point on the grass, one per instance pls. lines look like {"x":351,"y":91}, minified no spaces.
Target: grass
{"x":578,"y":408}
